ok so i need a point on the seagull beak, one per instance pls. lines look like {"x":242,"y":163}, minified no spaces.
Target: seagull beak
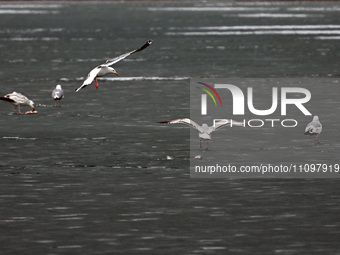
{"x":117,"y":74}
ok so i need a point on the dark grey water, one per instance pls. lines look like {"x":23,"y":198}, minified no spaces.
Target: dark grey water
{"x":92,"y":176}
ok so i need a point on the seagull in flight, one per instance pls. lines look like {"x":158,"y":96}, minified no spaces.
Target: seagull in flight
{"x":57,"y":95}
{"x":205,"y":130}
{"x":314,"y":128}
{"x":106,"y":68}
{"x":18,"y":100}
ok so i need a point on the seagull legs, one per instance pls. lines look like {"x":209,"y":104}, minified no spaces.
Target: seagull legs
{"x":17,"y":109}
{"x":316,"y":140}
{"x":95,"y":79}
{"x":201,"y":146}
{"x":57,"y":103}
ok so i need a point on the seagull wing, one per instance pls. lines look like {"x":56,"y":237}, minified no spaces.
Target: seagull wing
{"x":238,"y":123}
{"x":185,"y":121}
{"x":16,"y":98}
{"x":121,"y":57}
{"x":220,"y":125}
{"x":313,"y":127}
{"x":57,"y":94}
{"x":227,"y":122}
{"x":7,"y":99}
{"x":90,"y":77}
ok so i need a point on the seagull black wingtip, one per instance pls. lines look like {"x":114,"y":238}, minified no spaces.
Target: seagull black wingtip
{"x":7,"y":99}
{"x":147,"y":44}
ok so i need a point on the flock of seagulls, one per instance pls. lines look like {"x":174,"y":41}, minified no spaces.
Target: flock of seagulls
{"x":313,"y":128}
{"x":18,"y":99}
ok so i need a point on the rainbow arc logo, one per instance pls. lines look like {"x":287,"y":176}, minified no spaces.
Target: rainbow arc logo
{"x":209,"y":93}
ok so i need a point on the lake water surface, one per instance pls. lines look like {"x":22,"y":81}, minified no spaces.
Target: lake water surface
{"x":92,"y":177}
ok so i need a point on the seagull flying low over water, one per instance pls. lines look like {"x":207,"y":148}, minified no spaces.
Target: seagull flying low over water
{"x":57,"y":95}
{"x":18,"y":100}
{"x":106,"y":68}
{"x":314,"y":128}
{"x":204,"y":130}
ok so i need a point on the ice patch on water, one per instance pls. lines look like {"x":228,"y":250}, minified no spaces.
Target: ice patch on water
{"x":30,"y":30}
{"x":25,"y":39}
{"x":75,"y":246}
{"x":327,"y":37}
{"x":212,"y":9}
{"x":277,"y":15}
{"x":259,"y":32}
{"x":136,"y":78}
{"x":18,"y":138}
{"x":261,"y":27}
{"x":314,"y":9}
{"x":30,"y":6}
{"x":143,"y":78}
{"x":13,"y":11}
{"x":45,"y":241}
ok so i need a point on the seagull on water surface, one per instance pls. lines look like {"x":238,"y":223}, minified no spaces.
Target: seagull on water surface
{"x":57,"y":95}
{"x":204,"y":130}
{"x":106,"y":68}
{"x":18,"y":100}
{"x":314,"y":128}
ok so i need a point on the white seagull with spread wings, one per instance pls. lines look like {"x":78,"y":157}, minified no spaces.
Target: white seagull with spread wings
{"x":314,"y":128}
{"x":18,"y":100}
{"x":106,"y":68}
{"x":204,"y":130}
